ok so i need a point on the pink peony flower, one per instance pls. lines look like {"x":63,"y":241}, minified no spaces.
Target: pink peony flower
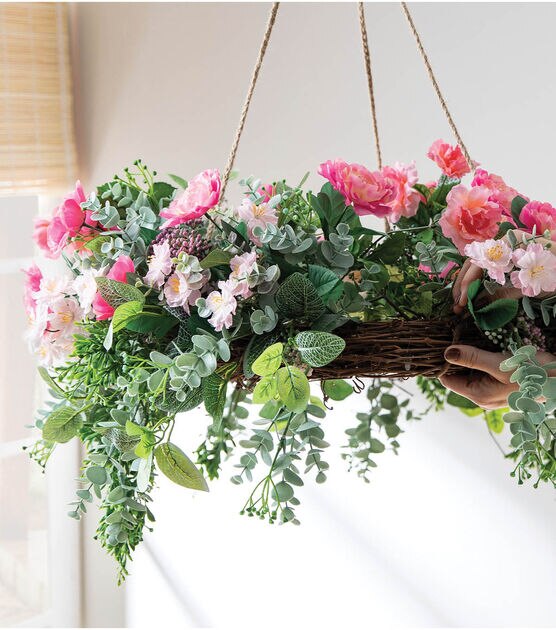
{"x":70,"y":212}
{"x":500,"y":192}
{"x":443,"y":273}
{"x":202,"y":194}
{"x":32,"y":284}
{"x":493,"y":255}
{"x":469,"y":216}
{"x":368,"y":192}
{"x":541,"y":216}
{"x":449,"y":158}
{"x":406,"y":200}
{"x":223,"y":305}
{"x":256,"y":216}
{"x":118,"y":272}
{"x":160,"y":265}
{"x":537,"y":270}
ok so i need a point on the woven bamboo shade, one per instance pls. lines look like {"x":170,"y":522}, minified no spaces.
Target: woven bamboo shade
{"x":37,"y":149}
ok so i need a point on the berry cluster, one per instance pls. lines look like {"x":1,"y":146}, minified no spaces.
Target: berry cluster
{"x":185,"y":238}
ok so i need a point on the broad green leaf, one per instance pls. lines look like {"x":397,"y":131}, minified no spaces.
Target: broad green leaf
{"x":162,"y":190}
{"x":473,"y":289}
{"x":95,"y":244}
{"x":116,"y":293}
{"x":494,"y":419}
{"x":62,"y":425}
{"x":331,"y":209}
{"x":180,"y":181}
{"x":326,"y":282}
{"x":337,"y":389}
{"x":175,"y":464}
{"x":269,"y":361}
{"x":215,"y":258}
{"x":255,"y":348}
{"x":125,"y":313}
{"x":265,"y":390}
{"x":319,"y":348}
{"x":460,"y":401}
{"x":390,"y":250}
{"x":518,"y":203}
{"x":214,"y":396}
{"x":171,"y":404}
{"x":297,"y":298}
{"x":293,"y":388}
{"x":157,"y":323}
{"x":497,"y":314}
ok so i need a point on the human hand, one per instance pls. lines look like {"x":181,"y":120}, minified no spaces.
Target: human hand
{"x":486,"y":386}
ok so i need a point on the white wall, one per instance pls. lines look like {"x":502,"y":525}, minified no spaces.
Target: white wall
{"x":442,"y":536}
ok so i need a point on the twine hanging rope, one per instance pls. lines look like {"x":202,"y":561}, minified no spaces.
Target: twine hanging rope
{"x":367,"y":58}
{"x":245,"y":109}
{"x":370,"y":82}
{"x":434,"y":82}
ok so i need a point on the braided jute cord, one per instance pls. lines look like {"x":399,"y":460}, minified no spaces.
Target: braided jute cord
{"x":245,"y":109}
{"x":434,"y":82}
{"x":367,"y":57}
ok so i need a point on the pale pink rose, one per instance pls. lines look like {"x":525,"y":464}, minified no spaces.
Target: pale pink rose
{"x":31,"y":285}
{"x":449,"y":158}
{"x":495,"y":256}
{"x":184,"y":288}
{"x":541,"y":216}
{"x":256,"y":216}
{"x":470,"y":216}
{"x":223,"y":305}
{"x":443,"y":273}
{"x":537,"y":270}
{"x":202,"y":194}
{"x":368,"y":192}
{"x":406,"y":200}
{"x":118,"y":272}
{"x":160,"y":265}
{"x":243,"y":267}
{"x":500,"y":192}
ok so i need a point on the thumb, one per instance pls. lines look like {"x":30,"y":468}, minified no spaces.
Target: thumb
{"x":476,"y":359}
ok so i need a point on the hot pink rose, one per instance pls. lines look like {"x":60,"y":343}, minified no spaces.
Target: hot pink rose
{"x":368,"y":192}
{"x":470,"y":216}
{"x":70,"y":211}
{"x":449,"y":158}
{"x":32,"y":284}
{"x":202,"y":194}
{"x":406,"y":200}
{"x":57,"y":235}
{"x":541,"y":216}
{"x":119,"y":271}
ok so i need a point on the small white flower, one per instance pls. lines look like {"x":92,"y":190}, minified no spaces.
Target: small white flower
{"x":160,"y":265}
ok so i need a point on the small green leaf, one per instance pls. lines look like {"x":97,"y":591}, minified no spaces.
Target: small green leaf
{"x":269,"y":361}
{"x":337,"y":389}
{"x":518,"y":203}
{"x":116,"y":293}
{"x":125,"y":313}
{"x":215,"y":258}
{"x":175,"y":464}
{"x":293,"y":388}
{"x":265,"y":390}
{"x":214,"y":396}
{"x":497,"y":314}
{"x":319,"y":348}
{"x":96,"y":475}
{"x":180,"y":181}
{"x":62,"y":425}
{"x":326,"y":282}
{"x":297,"y":298}
{"x":460,"y":401}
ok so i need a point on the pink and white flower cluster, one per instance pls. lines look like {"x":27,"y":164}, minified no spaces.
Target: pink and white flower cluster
{"x":532,"y":269}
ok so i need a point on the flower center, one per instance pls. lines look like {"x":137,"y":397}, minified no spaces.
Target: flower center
{"x":66,"y":317}
{"x":258,"y":211}
{"x":537,"y":271}
{"x":495,"y":252}
{"x":175,"y":284}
